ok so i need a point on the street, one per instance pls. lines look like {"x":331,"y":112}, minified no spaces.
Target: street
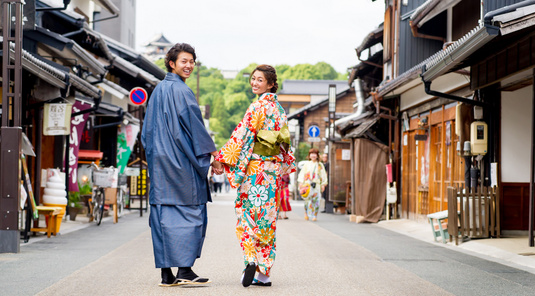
{"x":328,"y":257}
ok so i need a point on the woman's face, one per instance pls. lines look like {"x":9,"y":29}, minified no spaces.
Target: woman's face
{"x":313,"y":157}
{"x":259,"y":83}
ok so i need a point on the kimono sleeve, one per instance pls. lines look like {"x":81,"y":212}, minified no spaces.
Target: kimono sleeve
{"x":190,"y":133}
{"x":237,"y":152}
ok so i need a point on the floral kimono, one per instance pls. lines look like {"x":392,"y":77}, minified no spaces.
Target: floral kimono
{"x":256,"y":157}
{"x":313,"y":172}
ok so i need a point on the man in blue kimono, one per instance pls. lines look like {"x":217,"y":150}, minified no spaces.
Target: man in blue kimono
{"x":178,"y":150}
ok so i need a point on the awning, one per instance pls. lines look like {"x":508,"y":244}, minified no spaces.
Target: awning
{"x":374,"y":37}
{"x":429,"y":10}
{"x":133,"y":70}
{"x":55,"y":76}
{"x":363,"y":127}
{"x":518,"y":19}
{"x":92,"y":39}
{"x":113,"y":89}
{"x":90,"y":154}
{"x":505,"y":20}
{"x":110,"y":110}
{"x":68,"y":51}
{"x":137,"y":59}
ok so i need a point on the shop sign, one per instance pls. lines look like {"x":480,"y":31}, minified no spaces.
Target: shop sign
{"x":57,"y":119}
{"x":139,"y":190}
{"x":77,"y":127}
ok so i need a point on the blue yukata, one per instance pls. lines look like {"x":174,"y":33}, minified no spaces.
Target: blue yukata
{"x":177,"y":146}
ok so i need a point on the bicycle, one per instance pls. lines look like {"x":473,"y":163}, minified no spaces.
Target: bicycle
{"x":122,"y":194}
{"x":101,"y":179}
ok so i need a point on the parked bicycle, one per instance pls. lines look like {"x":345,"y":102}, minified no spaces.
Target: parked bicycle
{"x":102,"y":178}
{"x":122,"y":194}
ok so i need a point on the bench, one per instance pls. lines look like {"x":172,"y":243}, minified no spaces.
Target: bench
{"x":51,"y":215}
{"x":440,"y":229}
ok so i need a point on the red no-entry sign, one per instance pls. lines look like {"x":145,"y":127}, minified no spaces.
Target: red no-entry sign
{"x":138,"y":96}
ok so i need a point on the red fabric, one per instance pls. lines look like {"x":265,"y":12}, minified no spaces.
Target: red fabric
{"x":285,"y":202}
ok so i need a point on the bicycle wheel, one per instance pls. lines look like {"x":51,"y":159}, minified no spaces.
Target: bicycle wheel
{"x":120,"y":202}
{"x":98,"y":210}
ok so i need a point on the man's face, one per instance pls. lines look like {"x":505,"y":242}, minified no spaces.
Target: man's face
{"x":184,"y":65}
{"x":324,"y":158}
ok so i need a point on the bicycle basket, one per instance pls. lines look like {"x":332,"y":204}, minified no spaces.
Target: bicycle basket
{"x":103,"y":178}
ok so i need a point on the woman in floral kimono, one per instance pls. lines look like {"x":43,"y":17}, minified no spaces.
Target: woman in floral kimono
{"x":255,"y":158}
{"x":313,"y":174}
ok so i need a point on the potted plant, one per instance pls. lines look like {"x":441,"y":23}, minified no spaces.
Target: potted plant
{"x":74,"y":204}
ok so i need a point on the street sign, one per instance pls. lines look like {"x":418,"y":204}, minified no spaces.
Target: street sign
{"x":138,"y":96}
{"x":314,"y":140}
{"x":314,"y":131}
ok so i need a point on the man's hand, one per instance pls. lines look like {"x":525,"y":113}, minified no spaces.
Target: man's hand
{"x":323,"y":188}
{"x":217,"y":167}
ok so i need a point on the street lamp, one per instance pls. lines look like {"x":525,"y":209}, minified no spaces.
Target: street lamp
{"x":332,"y":109}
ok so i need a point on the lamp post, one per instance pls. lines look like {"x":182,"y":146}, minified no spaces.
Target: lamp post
{"x":332,"y":112}
{"x":332,"y":109}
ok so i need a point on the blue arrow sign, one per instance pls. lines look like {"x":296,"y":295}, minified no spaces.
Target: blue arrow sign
{"x":314,"y":131}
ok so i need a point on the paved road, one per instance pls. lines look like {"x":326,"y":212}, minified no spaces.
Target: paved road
{"x":329,"y":257}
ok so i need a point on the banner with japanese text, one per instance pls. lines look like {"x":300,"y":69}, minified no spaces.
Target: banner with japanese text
{"x":126,"y":139}
{"x":77,"y":128}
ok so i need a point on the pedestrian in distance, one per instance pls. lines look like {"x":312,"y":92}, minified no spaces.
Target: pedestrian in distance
{"x":313,"y":177}
{"x":325,"y":195}
{"x":255,"y":159}
{"x":227,"y":185}
{"x":218,"y":183}
{"x":285,"y":197}
{"x":178,"y":149}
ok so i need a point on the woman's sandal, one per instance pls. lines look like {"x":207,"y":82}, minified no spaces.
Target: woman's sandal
{"x":248,"y":274}
{"x":259,"y":283}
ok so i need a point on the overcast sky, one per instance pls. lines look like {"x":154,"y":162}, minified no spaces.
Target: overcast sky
{"x":231,"y":34}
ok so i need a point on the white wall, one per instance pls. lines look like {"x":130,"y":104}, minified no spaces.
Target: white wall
{"x":516,"y":135}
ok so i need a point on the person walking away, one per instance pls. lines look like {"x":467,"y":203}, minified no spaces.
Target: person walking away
{"x":255,"y":159}
{"x":178,"y":150}
{"x":313,"y":174}
{"x":285,"y":197}
{"x":218,"y":183}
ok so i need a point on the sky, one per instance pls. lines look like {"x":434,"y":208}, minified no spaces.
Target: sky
{"x":231,"y":34}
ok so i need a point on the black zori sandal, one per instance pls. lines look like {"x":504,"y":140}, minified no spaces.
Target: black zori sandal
{"x":248,"y":275}
{"x":259,"y":283}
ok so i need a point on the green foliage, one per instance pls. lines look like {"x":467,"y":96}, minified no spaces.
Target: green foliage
{"x":74,"y":199}
{"x":85,"y":188}
{"x":302,"y":151}
{"x":161,"y":63}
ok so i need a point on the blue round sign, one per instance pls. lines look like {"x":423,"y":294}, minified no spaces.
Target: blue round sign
{"x":314,"y":131}
{"x":138,"y":96}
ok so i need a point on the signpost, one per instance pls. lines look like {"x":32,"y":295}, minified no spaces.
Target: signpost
{"x":314,"y":133}
{"x":138,"y":96}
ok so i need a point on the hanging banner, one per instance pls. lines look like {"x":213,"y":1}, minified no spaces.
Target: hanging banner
{"x":77,"y":128}
{"x":56,"y":119}
{"x":126,"y":139}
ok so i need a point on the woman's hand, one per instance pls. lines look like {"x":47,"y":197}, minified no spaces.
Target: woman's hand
{"x":217,"y":167}
{"x":323,"y":188}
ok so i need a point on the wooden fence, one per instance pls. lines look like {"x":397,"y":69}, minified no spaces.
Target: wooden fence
{"x":473,"y":214}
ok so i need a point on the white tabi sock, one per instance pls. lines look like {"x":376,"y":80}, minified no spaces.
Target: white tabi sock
{"x":263,"y":278}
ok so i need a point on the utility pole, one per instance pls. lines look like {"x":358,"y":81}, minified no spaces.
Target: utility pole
{"x":11,"y":130}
